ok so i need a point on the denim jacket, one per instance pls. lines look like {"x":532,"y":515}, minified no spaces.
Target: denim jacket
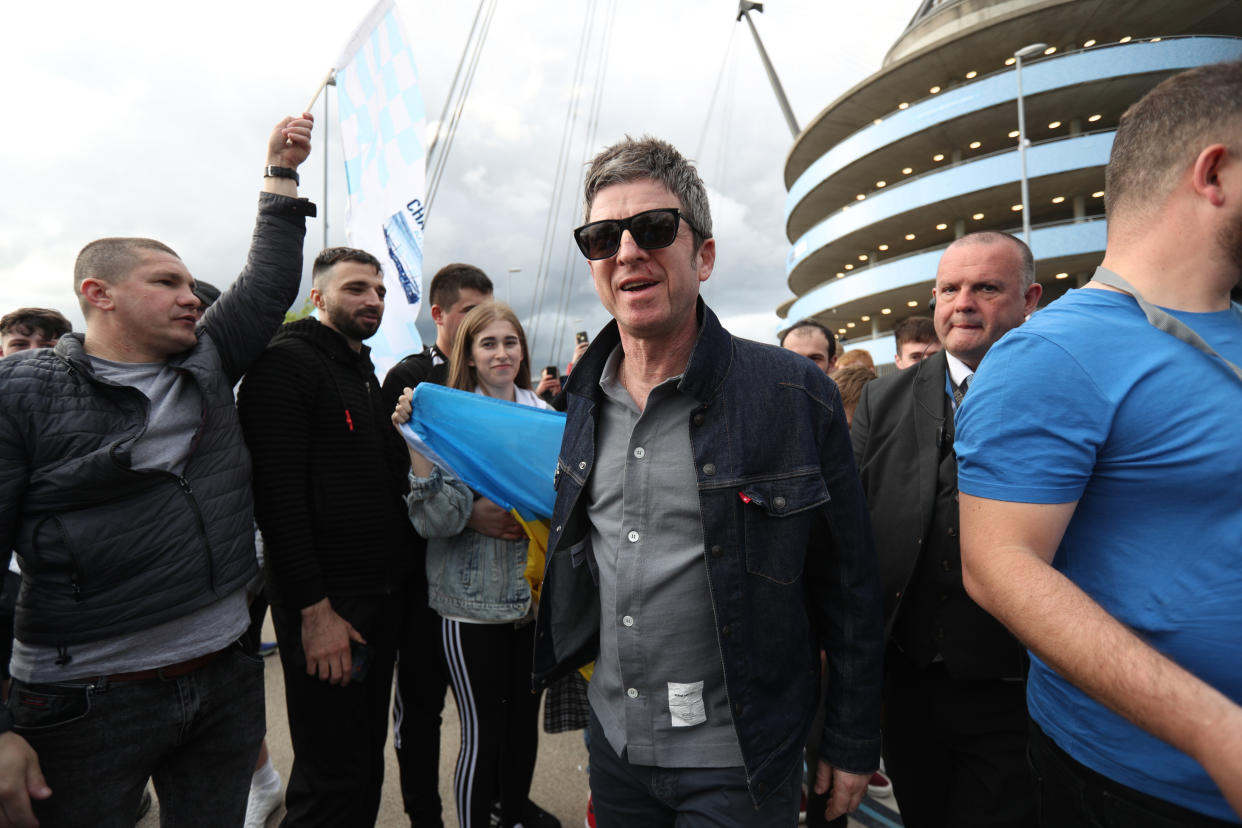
{"x":786,"y":545}
{"x":469,"y":575}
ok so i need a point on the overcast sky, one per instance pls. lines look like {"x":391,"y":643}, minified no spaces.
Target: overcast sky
{"x":149,"y":118}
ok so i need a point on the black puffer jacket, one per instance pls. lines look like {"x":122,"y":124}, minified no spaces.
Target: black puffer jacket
{"x":330,"y":471}
{"x":106,"y":550}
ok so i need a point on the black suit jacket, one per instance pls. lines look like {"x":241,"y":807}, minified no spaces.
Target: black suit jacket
{"x":900,"y":426}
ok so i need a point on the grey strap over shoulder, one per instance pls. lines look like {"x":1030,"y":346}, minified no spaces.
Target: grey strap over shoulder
{"x":1162,"y":319}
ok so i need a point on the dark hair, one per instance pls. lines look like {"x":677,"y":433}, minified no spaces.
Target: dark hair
{"x":206,"y":292}
{"x":1163,"y":132}
{"x":50,"y":324}
{"x":335,"y":255}
{"x":811,"y":324}
{"x":1025,"y":257}
{"x":452,"y":279}
{"x":110,"y":260}
{"x":650,"y":158}
{"x":462,"y":374}
{"x":915,"y":329}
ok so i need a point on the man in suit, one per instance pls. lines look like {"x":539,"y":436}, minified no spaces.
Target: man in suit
{"x":955,"y":712}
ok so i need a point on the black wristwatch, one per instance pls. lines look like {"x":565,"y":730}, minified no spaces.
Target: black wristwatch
{"x":281,"y":172}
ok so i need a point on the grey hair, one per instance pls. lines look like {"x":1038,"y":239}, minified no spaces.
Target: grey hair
{"x":650,"y":158}
{"x":1025,"y":257}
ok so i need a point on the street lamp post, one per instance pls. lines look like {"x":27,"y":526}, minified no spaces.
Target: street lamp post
{"x":1025,"y":51}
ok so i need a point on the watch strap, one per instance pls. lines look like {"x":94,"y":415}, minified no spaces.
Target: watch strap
{"x":272,"y":171}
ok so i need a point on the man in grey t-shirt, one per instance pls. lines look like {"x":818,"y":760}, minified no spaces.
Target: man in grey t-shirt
{"x":124,"y":489}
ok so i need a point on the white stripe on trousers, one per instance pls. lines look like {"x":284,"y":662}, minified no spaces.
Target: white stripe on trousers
{"x":467,"y":711}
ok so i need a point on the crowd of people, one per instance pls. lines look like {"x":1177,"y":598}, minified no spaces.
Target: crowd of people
{"x":1009,"y":567}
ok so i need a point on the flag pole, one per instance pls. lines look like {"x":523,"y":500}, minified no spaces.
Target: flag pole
{"x":327,"y":79}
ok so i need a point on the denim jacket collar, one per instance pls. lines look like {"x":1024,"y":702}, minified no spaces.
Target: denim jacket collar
{"x":709,"y":364}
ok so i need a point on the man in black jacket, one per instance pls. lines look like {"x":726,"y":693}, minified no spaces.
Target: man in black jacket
{"x":125,"y":489}
{"x":955,"y":705}
{"x":329,"y":475}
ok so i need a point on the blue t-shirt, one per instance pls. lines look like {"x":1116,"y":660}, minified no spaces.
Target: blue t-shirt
{"x":1088,"y":402}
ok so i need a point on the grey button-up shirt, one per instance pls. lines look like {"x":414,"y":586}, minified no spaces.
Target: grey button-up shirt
{"x":658,"y":687}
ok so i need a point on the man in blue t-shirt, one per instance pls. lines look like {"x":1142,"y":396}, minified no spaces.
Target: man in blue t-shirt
{"x":1098,"y":462}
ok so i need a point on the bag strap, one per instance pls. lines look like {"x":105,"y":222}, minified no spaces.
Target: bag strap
{"x":1162,"y":319}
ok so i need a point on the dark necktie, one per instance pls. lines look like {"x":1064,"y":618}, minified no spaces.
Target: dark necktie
{"x":960,"y":391}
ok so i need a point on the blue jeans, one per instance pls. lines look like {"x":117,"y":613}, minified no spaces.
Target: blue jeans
{"x":626,"y":795}
{"x":196,"y":736}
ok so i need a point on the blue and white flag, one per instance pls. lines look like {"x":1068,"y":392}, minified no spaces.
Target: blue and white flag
{"x":382,"y":126}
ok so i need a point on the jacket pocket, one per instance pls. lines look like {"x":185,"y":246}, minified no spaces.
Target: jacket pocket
{"x":777,"y":516}
{"x":38,"y":708}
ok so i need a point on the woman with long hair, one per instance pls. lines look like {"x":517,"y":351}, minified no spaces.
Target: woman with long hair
{"x":477,"y":585}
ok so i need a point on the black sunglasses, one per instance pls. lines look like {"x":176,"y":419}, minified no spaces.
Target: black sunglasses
{"x":651,"y":230}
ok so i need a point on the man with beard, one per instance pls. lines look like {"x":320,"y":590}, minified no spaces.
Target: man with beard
{"x":329,"y":476}
{"x":1099,"y":470}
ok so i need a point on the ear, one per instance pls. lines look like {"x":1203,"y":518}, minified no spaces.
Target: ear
{"x":437,"y":314}
{"x":316,"y":297}
{"x":1031,"y":299}
{"x":707,"y":259}
{"x":1210,"y":166}
{"x":98,"y":294}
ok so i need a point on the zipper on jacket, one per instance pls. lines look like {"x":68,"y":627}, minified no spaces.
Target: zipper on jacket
{"x":202,"y":530}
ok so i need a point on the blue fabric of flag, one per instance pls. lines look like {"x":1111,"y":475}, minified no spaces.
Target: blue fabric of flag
{"x":504,"y":451}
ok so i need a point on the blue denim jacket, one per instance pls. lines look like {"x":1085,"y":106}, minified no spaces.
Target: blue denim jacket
{"x":786,"y":543}
{"x":468,"y":575}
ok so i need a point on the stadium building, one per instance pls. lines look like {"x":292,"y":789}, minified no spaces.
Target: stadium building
{"x":926,"y":149}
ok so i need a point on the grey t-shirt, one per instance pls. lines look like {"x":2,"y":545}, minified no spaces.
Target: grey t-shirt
{"x":658,"y":686}
{"x":175,"y":414}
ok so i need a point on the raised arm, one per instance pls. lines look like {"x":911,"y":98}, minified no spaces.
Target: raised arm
{"x":244,"y":318}
{"x":1007,"y":551}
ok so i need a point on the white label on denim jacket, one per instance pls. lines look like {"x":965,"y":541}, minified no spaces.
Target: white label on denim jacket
{"x":685,"y":703}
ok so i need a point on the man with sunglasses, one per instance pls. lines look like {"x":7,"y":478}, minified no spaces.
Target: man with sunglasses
{"x":700,"y":555}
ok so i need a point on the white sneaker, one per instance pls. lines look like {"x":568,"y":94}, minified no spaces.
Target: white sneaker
{"x":262,"y":803}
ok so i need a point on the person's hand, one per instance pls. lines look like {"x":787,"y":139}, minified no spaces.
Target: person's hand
{"x":405,"y":408}
{"x":487,"y":518}
{"x":21,"y":780}
{"x":290,"y":141}
{"x":325,"y":640}
{"x":847,"y":789}
{"x":548,"y":387}
{"x":579,"y":350}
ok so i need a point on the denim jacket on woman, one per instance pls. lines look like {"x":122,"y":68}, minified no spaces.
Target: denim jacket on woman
{"x":469,"y":575}
{"x":786,"y":546}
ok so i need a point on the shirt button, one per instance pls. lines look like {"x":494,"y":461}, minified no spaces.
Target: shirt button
{"x":633,"y":536}
{"x":943,"y":563}
{"x":737,"y":709}
{"x":952,"y":532}
{"x":558,"y":529}
{"x":697,"y":419}
{"x":724,"y":631}
{"x":632,"y":693}
{"x":717,"y":551}
{"x":639,"y":452}
{"x":778,"y":502}
{"x":628,"y":620}
{"x":709,"y":469}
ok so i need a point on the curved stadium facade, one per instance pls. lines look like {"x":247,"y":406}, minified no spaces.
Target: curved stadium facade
{"x":926,"y":149}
